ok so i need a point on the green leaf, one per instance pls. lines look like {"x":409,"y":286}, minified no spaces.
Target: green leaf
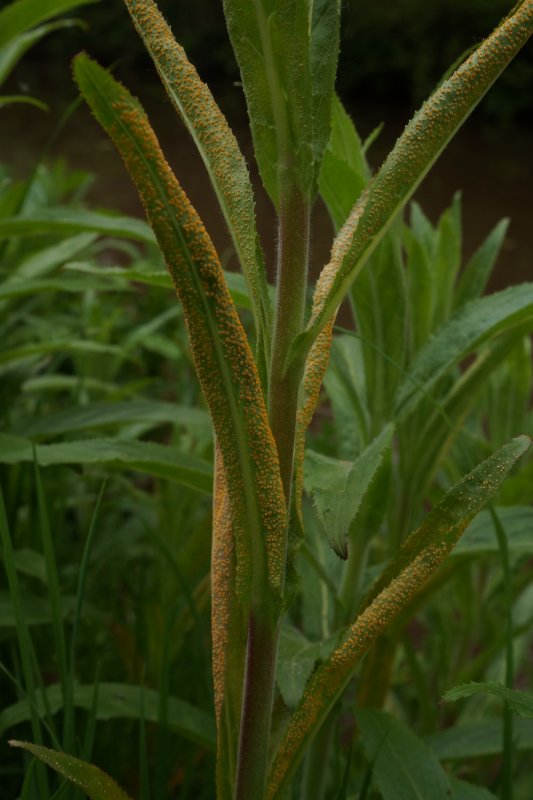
{"x":415,"y":152}
{"x":338,"y":487}
{"x":344,"y":171}
{"x":475,"y":275}
{"x":403,"y":766}
{"x":30,"y":562}
{"x":24,"y":99}
{"x":379,"y":304}
{"x":95,"y":783}
{"x":155,"y":277}
{"x":479,"y":739}
{"x":149,"y":457}
{"x":61,"y":221}
{"x":462,"y":790}
{"x":421,"y":291}
{"x":63,"y":347}
{"x":470,"y":327}
{"x":40,"y":263}
{"x":445,"y":523}
{"x":344,"y":141}
{"x":346,"y":387}
{"x":21,"y":15}
{"x":447,"y":260}
{"x":340,"y":186}
{"x":12,"y":51}
{"x":35,"y":609}
{"x":31,"y":288}
{"x":221,"y":352}
{"x":287,"y":53}
{"x":520,"y":703}
{"x":324,"y":33}
{"x":517,"y":522}
{"x":417,"y":560}
{"x":118,"y":701}
{"x":218,"y":148}
{"x":509,"y":393}
{"x":97,"y":415}
{"x":446,"y":419}
{"x":296,"y":658}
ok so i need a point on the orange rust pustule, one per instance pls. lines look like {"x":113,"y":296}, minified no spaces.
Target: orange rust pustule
{"x":218,"y":146}
{"x":222,"y":579}
{"x":417,"y":148}
{"x":420,"y":556}
{"x":329,"y":680}
{"x":237,"y":353}
{"x":219,"y":345}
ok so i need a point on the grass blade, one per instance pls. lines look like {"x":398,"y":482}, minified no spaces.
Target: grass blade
{"x":23,"y":635}
{"x":82,"y":579}
{"x":65,"y":675}
{"x":507,"y":728}
{"x":95,"y":783}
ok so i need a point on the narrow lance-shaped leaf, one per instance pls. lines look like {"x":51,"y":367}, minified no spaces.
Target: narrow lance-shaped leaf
{"x":117,"y":701}
{"x":344,"y":171}
{"x":22,"y":15}
{"x":221,"y":353}
{"x":149,"y":457}
{"x":287,"y":52}
{"x":471,"y":326}
{"x":62,"y":221}
{"x":423,"y":140}
{"x":417,"y":560}
{"x":22,"y":99}
{"x":218,"y":148}
{"x":95,"y":783}
{"x":476,"y":273}
{"x":11,"y":52}
{"x":229,"y":633}
{"x":520,"y":703}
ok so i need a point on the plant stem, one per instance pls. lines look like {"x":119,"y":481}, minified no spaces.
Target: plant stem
{"x":293,"y":256}
{"x":507,"y":728}
{"x":263,"y":626}
{"x":258,"y":694}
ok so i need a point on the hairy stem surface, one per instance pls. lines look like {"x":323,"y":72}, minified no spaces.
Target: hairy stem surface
{"x":293,"y":256}
{"x":258,"y":696}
